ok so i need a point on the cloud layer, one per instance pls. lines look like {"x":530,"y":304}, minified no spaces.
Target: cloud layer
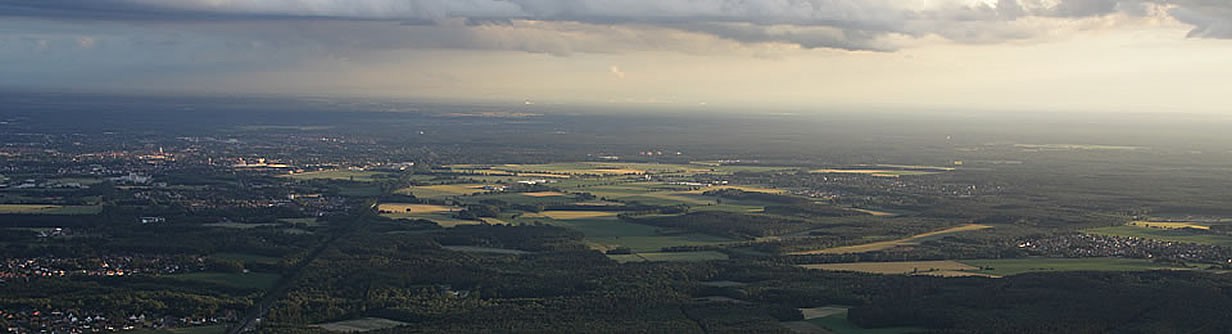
{"x":558,"y":26}
{"x":841,"y":24}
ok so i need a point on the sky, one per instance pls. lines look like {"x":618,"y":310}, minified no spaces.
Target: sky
{"x":1088,"y":55}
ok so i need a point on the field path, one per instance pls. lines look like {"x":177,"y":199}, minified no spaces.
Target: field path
{"x":883,"y":245}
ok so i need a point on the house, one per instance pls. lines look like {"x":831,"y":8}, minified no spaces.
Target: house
{"x":152,"y":220}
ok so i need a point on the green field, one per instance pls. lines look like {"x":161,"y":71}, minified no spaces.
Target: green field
{"x":610,"y":232}
{"x":523,"y":199}
{"x":257,"y":281}
{"x":340,"y":175}
{"x":49,"y":209}
{"x":1177,"y":235}
{"x":443,"y":190}
{"x":1008,"y":267}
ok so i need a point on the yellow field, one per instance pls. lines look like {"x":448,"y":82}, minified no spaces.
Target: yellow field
{"x":440,"y":214}
{"x":544,"y":175}
{"x":545,"y":194}
{"x":615,"y":171}
{"x":936,"y":268}
{"x":26,"y":208}
{"x":821,"y":312}
{"x":566,"y":215}
{"x":883,"y":245}
{"x":49,"y":209}
{"x":1169,"y":225}
{"x":875,"y":213}
{"x":416,"y":208}
{"x":443,"y":190}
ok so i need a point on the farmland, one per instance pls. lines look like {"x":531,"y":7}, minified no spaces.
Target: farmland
{"x":444,"y":190}
{"x":1006,"y":267}
{"x":934,"y":268}
{"x":883,"y":245}
{"x":605,"y":232}
{"x":566,"y":217}
{"x":544,"y":194}
{"x":47,"y":209}
{"x":440,"y":214}
{"x":416,"y":209}
{"x":1171,"y":225}
{"x":569,"y":215}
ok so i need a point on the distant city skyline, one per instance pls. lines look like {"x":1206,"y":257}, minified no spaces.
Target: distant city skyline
{"x":1091,"y":55}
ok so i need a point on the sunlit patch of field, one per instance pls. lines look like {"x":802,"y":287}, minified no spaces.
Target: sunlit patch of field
{"x":493,"y":221}
{"x":49,"y":209}
{"x":545,"y":194}
{"x":544,"y":175}
{"x":824,"y":311}
{"x":939,"y":268}
{"x":416,"y":208}
{"x":566,"y":215}
{"x":1169,"y":225}
{"x":875,"y":213}
{"x":443,"y":190}
{"x":359,"y":325}
{"x":599,"y":204}
{"x":440,"y":214}
{"x":883,"y":245}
